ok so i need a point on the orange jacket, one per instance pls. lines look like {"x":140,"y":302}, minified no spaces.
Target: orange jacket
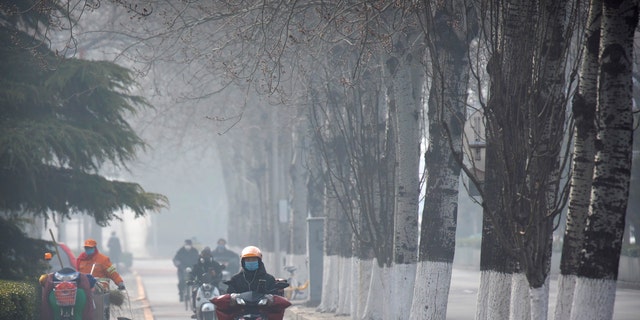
{"x":100,"y":267}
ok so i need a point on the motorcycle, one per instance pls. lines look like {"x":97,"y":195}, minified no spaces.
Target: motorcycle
{"x":253,"y":305}
{"x":204,"y":308}
{"x":66,"y":295}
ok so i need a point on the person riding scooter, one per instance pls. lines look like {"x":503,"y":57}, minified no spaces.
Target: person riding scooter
{"x":252,"y":293}
{"x":206,"y":270}
{"x":252,"y":271}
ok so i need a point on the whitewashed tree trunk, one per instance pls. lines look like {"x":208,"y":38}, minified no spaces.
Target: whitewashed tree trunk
{"x":540,"y":301}
{"x":344,"y":288}
{"x":594,"y":295}
{"x":435,"y":279}
{"x":356,"y":272}
{"x":330,"y":284}
{"x":520,"y":307}
{"x":493,"y":295}
{"x":364,"y":282}
{"x":451,"y":31}
{"x":406,"y":93}
{"x":584,"y":109}
{"x":373,"y":309}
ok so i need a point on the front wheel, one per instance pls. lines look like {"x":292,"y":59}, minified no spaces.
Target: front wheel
{"x":187,"y":298}
{"x":208,"y":315}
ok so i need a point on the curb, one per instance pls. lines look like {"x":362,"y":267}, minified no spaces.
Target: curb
{"x":142,"y":296}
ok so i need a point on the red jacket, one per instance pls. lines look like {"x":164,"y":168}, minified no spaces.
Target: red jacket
{"x":100,"y":267}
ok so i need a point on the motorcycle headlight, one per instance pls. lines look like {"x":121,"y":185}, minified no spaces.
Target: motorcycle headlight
{"x":206,"y":287}
{"x":240,"y":301}
{"x":61,"y":276}
{"x":267,"y":300}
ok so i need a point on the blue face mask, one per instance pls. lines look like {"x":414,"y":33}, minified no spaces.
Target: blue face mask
{"x":90,"y":251}
{"x":251,"y":265}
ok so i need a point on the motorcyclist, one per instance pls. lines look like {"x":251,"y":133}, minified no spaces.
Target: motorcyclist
{"x":226,"y":257}
{"x":206,"y":270}
{"x":252,"y":271}
{"x":187,"y":256}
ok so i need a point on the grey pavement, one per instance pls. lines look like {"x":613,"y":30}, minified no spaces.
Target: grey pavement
{"x":153,"y":293}
{"x":136,"y":304}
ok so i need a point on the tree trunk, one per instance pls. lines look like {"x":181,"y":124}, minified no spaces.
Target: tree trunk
{"x":584,"y":108}
{"x":406,"y":94}
{"x":596,"y":282}
{"x":454,"y":27}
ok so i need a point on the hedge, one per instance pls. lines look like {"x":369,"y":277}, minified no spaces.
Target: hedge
{"x":18,"y":300}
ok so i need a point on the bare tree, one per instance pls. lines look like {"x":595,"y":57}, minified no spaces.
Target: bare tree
{"x":598,"y":271}
{"x":449,"y":29}
{"x":584,"y":112}
{"x":524,"y":121}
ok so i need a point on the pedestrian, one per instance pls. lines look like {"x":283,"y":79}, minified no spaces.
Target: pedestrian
{"x":115,"y":250}
{"x":186,"y":257}
{"x":226,"y":257}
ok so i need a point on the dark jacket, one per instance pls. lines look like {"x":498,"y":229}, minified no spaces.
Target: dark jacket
{"x":248,"y":280}
{"x":206,"y":270}
{"x":186,"y":258}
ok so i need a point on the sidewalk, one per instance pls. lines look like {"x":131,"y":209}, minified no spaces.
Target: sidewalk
{"x":137,"y":306}
{"x":302,"y":312}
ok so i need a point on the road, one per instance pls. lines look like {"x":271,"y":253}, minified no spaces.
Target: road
{"x":158,"y":283}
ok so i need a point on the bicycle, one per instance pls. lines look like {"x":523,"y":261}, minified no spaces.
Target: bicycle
{"x":186,"y":294}
{"x":295,"y":289}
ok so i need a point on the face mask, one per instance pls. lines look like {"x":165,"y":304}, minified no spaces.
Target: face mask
{"x":220,"y":247}
{"x":188,"y":247}
{"x":90,"y":251}
{"x":251,"y":265}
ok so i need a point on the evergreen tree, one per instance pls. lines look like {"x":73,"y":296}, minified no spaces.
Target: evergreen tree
{"x":61,"y":120}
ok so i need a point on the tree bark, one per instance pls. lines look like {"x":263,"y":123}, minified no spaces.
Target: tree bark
{"x":594,"y":295}
{"x":584,"y":109}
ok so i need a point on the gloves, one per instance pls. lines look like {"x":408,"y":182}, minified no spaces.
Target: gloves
{"x":121,"y":286}
{"x":43,"y":279}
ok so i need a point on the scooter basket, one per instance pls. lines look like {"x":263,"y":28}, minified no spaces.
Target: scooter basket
{"x":65,"y":293}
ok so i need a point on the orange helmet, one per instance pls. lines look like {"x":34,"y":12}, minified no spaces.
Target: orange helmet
{"x":251,"y":251}
{"x":90,"y":243}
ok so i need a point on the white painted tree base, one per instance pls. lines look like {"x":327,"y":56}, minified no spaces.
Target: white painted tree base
{"x":593,"y":299}
{"x":431,"y":291}
{"x":494,"y":296}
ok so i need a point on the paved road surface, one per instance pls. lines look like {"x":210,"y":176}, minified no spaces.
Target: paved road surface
{"x":155,"y":297}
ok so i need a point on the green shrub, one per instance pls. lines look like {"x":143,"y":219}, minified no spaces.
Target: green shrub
{"x":18,"y":300}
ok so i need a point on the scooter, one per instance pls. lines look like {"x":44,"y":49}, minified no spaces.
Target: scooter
{"x":65,"y":297}
{"x":252,"y":305}
{"x":204,"y":308}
